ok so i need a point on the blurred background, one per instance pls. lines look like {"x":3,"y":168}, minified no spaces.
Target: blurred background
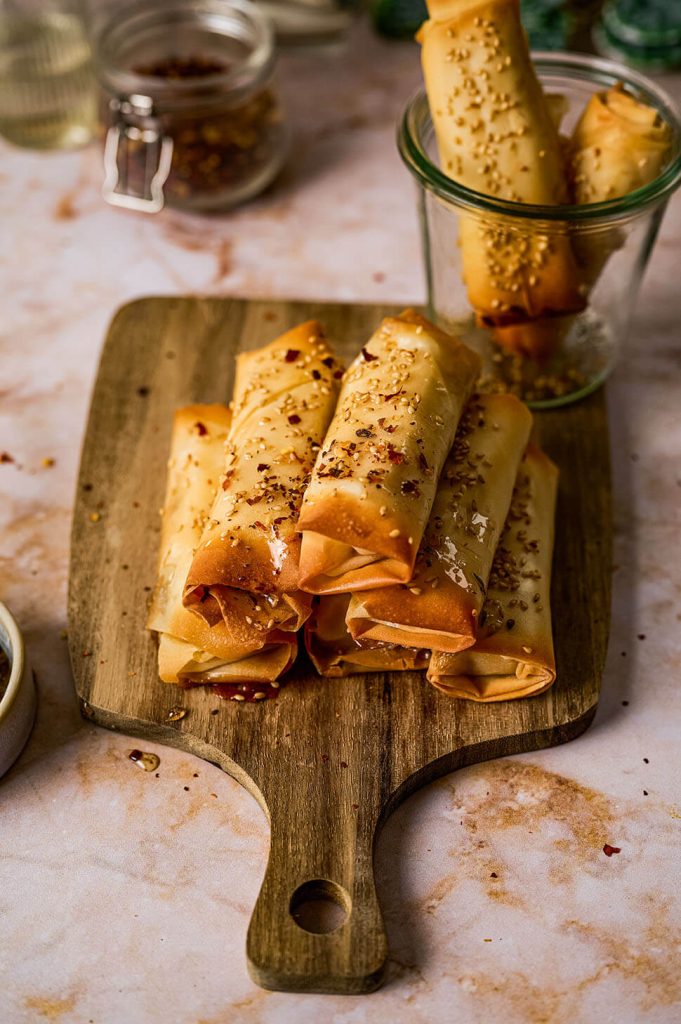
{"x":182,"y":95}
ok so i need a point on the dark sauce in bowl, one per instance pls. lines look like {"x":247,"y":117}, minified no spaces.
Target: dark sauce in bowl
{"x":5,"y":669}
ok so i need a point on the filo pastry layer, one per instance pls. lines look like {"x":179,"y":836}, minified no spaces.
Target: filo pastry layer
{"x":496,"y":135}
{"x":187,"y":641}
{"x":439,"y":607}
{"x":179,"y":661}
{"x":245,"y":571}
{"x":513,"y":656}
{"x":333,"y":651}
{"x":375,"y":479}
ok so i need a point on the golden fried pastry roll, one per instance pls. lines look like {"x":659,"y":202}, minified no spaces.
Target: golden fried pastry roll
{"x":375,"y":479}
{"x":513,"y":655}
{"x":181,"y":662}
{"x":245,"y":571}
{"x":618,"y":145}
{"x":496,"y":134}
{"x":439,"y":607}
{"x":333,"y":652}
{"x":194,"y":467}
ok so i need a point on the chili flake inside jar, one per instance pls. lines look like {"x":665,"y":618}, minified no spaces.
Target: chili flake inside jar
{"x":193,"y":108}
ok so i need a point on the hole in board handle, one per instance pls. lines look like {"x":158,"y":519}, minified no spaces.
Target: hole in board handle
{"x":320,"y":906}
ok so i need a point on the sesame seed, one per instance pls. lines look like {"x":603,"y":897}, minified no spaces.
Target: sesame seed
{"x":394,"y":533}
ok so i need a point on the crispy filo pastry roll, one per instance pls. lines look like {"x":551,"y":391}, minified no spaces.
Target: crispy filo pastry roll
{"x":194,"y":467}
{"x":513,"y":656}
{"x":245,"y":571}
{"x":497,"y":135}
{"x":181,"y":662}
{"x":333,"y":652}
{"x":618,"y":145}
{"x":375,"y":479}
{"x":440,"y":606}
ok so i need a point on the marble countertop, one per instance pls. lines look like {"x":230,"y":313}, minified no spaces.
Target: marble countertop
{"x":125,"y":896}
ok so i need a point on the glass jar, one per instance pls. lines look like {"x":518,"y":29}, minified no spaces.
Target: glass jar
{"x":571,"y":354}
{"x":48,"y":92}
{"x":194,"y":119}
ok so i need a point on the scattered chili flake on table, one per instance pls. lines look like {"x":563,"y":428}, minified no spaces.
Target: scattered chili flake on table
{"x":6,"y":457}
{"x":608,"y":850}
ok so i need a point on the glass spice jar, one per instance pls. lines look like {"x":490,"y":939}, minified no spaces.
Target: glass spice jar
{"x":193,"y":116}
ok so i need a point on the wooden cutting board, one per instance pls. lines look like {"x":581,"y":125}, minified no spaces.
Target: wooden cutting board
{"x":329,"y":759}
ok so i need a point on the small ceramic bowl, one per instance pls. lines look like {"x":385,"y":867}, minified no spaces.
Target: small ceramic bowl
{"x":18,"y":704}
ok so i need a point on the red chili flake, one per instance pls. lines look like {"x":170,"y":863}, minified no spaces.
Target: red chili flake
{"x":228,"y":477}
{"x":316,"y":375}
{"x":293,"y":419}
{"x":367,"y":356}
{"x":494,"y":875}
{"x":87,"y":654}
{"x":510,"y":623}
{"x":259,"y":525}
{"x":409,"y":487}
{"x":325,"y":758}
{"x":608,"y":850}
{"x":200,"y":428}
{"x":262,"y":466}
{"x":338,"y":374}
{"x":291,"y":355}
{"x":328,"y":361}
{"x":254,"y":501}
{"x":423,"y":462}
{"x":143,"y":392}
{"x":355,"y":806}
{"x":6,"y":457}
{"x":344,"y":764}
{"x":397,"y":458}
{"x":395,"y":394}
{"x":363,"y":432}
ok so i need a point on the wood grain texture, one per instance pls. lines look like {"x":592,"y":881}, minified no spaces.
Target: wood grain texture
{"x":329,"y":759}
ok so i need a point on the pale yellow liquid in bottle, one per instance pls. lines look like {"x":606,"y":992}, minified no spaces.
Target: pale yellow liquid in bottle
{"x":48,"y":93}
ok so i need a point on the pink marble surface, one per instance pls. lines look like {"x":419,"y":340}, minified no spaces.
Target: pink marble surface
{"x":126,"y":897}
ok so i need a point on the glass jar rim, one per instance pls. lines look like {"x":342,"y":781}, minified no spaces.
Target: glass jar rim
{"x":580,"y":67}
{"x":247,"y":22}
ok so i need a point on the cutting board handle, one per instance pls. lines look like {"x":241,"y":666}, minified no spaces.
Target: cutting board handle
{"x":319,"y":877}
